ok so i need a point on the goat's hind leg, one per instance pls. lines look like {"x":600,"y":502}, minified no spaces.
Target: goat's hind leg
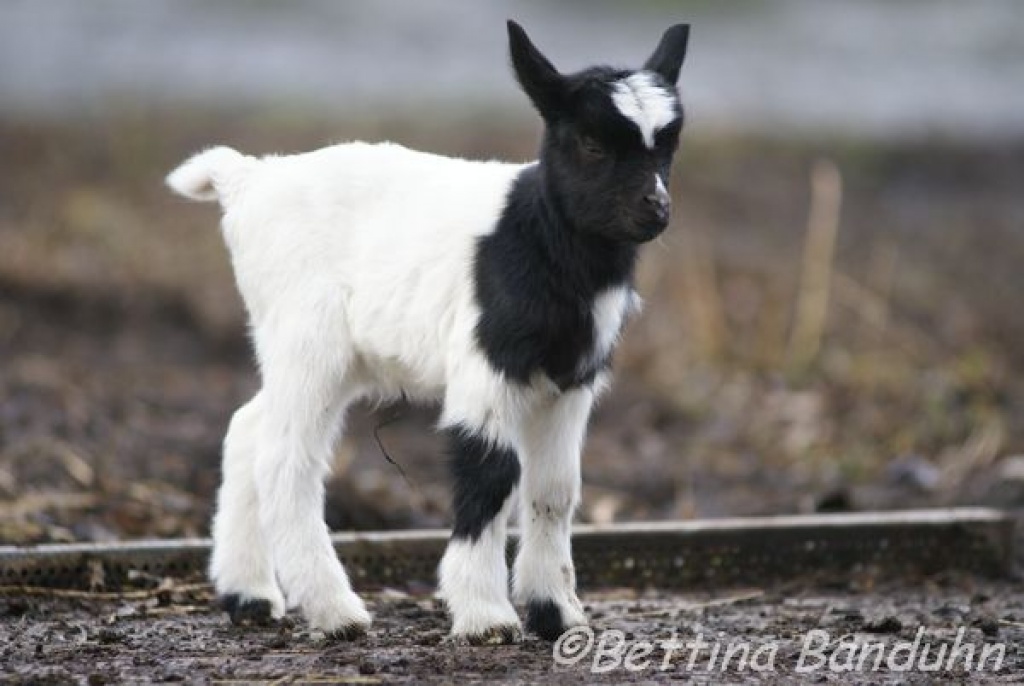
{"x":474,"y":570}
{"x":305,"y":391}
{"x":240,"y":567}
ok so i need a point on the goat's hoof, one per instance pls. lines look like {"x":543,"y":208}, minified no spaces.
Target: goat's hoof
{"x":343,"y":618}
{"x":346,"y":634}
{"x":247,"y":611}
{"x":545,"y":618}
{"x":503,"y":634}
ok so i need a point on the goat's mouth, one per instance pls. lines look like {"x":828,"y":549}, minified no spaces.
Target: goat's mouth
{"x":647,"y":227}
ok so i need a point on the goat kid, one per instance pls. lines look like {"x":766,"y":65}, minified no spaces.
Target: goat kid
{"x":374,"y":271}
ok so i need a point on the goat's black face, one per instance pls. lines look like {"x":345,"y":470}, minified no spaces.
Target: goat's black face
{"x":610,"y":137}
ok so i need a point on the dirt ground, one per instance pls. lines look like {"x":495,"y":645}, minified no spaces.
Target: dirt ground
{"x":173,"y":635}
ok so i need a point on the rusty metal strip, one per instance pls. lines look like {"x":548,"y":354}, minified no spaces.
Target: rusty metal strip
{"x":740,"y":551}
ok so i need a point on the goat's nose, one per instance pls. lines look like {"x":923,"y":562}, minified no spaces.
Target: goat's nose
{"x":659,"y":200}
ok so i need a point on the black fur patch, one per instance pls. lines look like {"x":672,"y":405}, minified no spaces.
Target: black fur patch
{"x":485,"y":475}
{"x":251,"y":612}
{"x":544,"y":619}
{"x":536,"y":280}
{"x":572,"y":223}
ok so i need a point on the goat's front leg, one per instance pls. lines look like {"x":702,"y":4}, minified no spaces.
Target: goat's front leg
{"x":474,"y":570}
{"x":544,"y":577}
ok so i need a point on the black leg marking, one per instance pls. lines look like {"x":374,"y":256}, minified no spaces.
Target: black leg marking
{"x":544,"y":619}
{"x":251,"y":612}
{"x":485,"y":475}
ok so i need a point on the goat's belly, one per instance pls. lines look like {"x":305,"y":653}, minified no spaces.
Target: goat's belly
{"x":401,"y":351}
{"x":394,"y":377}
{"x":406,"y":321}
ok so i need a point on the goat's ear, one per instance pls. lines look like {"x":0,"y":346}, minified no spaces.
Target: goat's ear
{"x":667,"y":58}
{"x":538,"y":77}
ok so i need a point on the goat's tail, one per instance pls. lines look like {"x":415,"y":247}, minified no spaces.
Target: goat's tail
{"x":211,"y":175}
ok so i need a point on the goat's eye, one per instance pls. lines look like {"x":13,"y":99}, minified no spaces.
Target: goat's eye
{"x":591,"y":148}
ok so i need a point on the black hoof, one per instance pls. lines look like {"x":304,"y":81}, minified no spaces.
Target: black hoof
{"x":348,"y":633}
{"x":248,"y":612}
{"x":504,"y":634}
{"x":544,"y":619}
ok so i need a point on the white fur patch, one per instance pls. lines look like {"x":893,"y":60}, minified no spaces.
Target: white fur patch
{"x":660,"y":185}
{"x":611,"y":308}
{"x":474,"y":580}
{"x":552,"y":442}
{"x":645,"y":103}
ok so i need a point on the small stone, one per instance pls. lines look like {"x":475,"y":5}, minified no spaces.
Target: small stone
{"x":430,"y":638}
{"x":988,"y":624}
{"x":108,"y":636}
{"x":853,"y":615}
{"x":1012,"y":468}
{"x":913,"y":471}
{"x":278,"y":642}
{"x":889,"y":624}
{"x":949,"y":611}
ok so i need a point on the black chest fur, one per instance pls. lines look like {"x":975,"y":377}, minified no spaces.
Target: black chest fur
{"x":536,"y":282}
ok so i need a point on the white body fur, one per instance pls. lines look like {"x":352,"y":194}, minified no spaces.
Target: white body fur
{"x":355,"y":264}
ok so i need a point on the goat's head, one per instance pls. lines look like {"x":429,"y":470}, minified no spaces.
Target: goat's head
{"x":609,"y":138}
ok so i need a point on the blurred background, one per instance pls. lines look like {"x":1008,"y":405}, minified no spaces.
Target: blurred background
{"x":832,"y":321}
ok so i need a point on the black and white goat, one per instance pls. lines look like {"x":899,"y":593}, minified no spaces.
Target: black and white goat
{"x":373,"y":271}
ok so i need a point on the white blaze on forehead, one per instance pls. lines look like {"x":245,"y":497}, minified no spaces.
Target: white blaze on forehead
{"x":644,"y":102}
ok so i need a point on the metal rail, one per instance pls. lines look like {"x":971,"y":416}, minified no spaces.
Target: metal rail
{"x":716,"y":553}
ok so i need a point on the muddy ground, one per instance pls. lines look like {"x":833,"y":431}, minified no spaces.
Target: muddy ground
{"x":173,"y":635}
{"x":123,"y":355}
